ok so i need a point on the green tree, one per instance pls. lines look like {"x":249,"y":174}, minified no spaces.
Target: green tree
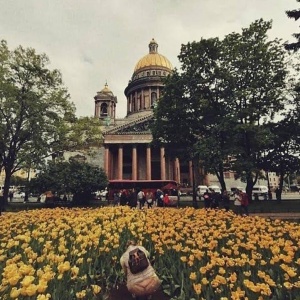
{"x":191,"y":108}
{"x":173,"y":119}
{"x":18,"y":181}
{"x":283,"y":154}
{"x":257,"y":81}
{"x":34,"y":110}
{"x":227,"y":89}
{"x":294,"y":14}
{"x":80,"y":134}
{"x":79,"y":179}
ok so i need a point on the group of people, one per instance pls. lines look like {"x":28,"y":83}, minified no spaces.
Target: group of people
{"x":215,"y":200}
{"x":140,"y":199}
{"x":241,"y":202}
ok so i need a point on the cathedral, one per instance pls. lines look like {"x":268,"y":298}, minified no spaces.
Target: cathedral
{"x":127,"y":152}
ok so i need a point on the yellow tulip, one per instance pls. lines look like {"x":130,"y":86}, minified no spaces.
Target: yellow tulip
{"x":42,"y":286}
{"x":27,"y":280}
{"x":43,"y":297}
{"x":197,"y":288}
{"x":193,"y":276}
{"x":14,"y":293}
{"x":81,"y":295}
{"x":96,"y":289}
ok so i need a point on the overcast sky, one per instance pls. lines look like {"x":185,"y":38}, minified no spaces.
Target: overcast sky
{"x":94,"y":41}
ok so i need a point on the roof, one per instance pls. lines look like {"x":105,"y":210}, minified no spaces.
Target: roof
{"x":153,"y":59}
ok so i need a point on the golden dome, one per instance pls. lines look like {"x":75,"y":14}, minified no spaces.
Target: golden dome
{"x":106,"y":90}
{"x":153,"y":59}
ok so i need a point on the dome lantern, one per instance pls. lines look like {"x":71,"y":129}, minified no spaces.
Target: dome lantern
{"x":153,"y":46}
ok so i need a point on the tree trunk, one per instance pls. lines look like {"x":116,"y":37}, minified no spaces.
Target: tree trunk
{"x":250,"y":185}
{"x":281,"y":176}
{"x":220,"y":176}
{"x":4,"y":197}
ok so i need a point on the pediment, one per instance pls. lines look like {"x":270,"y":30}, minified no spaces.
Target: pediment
{"x":138,"y":126}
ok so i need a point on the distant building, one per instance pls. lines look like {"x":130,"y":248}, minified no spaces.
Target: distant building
{"x":24,"y":174}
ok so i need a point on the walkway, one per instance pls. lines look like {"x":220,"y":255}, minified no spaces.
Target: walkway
{"x":282,"y":216}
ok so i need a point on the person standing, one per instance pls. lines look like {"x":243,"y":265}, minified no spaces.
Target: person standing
{"x":244,"y":203}
{"x":124,"y":198}
{"x":26,"y":197}
{"x":141,"y":199}
{"x":159,"y":198}
{"x":237,"y":202}
{"x":278,"y":194}
{"x":166,"y":200}
{"x":141,"y":284}
{"x":132,"y":199}
{"x":215,"y":199}
{"x":149,"y":199}
{"x":207,"y":199}
{"x":11,"y":195}
{"x":226,"y":200}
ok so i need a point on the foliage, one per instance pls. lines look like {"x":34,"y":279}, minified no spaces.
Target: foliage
{"x":283,"y":154}
{"x":221,"y":102}
{"x":70,"y":177}
{"x":216,"y":254}
{"x":190,"y":106}
{"x":18,"y":181}
{"x":257,"y":78}
{"x":81,"y":134}
{"x":34,"y":109}
{"x":295,"y":14}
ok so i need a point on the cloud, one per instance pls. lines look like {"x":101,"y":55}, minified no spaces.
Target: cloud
{"x":91,"y":41}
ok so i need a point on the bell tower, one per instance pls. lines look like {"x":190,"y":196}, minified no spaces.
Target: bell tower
{"x":105,"y":105}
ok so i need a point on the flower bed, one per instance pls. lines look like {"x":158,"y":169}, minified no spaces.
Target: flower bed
{"x":74,"y":253}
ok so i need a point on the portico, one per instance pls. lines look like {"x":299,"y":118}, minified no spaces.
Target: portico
{"x":133,"y":157}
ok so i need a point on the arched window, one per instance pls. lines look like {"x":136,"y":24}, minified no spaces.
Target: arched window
{"x":103,"y":111}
